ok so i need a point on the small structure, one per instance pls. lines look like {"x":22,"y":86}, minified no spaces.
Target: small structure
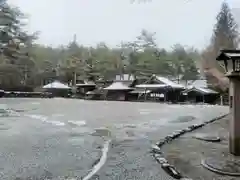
{"x":201,"y":95}
{"x":126,"y":83}
{"x":198,"y":92}
{"x":138,"y":94}
{"x":96,"y":94}
{"x":58,"y":89}
{"x":56,"y":85}
{"x":117,"y":91}
{"x":103,"y":83}
{"x":83,"y":87}
{"x":161,"y":89}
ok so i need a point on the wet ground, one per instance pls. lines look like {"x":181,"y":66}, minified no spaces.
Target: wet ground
{"x":187,"y":153}
{"x":75,"y":139}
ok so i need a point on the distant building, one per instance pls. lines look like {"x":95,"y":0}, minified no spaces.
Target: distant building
{"x":199,"y":91}
{"x":117,"y":91}
{"x":159,"y":88}
{"x":124,"y":77}
{"x":58,"y":89}
{"x":84,"y":86}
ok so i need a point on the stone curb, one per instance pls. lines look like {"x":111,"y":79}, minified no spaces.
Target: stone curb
{"x":158,"y":154}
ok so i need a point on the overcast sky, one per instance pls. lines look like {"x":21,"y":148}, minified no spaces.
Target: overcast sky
{"x":188,"y":22}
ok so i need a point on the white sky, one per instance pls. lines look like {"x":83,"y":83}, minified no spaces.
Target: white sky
{"x":188,"y":22}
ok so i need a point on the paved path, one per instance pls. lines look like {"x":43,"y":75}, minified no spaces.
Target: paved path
{"x":60,"y":139}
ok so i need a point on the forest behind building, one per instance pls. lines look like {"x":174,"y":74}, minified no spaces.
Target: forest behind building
{"x":23,"y":62}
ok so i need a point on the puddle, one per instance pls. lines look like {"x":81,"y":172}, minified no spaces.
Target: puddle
{"x":144,"y":112}
{"x":35,"y":103}
{"x":75,"y":134}
{"x":13,"y":110}
{"x":57,"y":115}
{"x":76,"y":123}
{"x":207,"y":137}
{"x":183,"y":119}
{"x":5,"y":112}
{"x":76,"y":141}
{"x":130,"y":133}
{"x":56,"y":123}
{"x":19,"y":110}
{"x":2,"y":123}
{"x":45,"y":119}
{"x":2,"y":128}
{"x":81,"y":132}
{"x":39,"y":117}
{"x":102,"y":132}
{"x":130,"y":126}
{"x":122,"y":126}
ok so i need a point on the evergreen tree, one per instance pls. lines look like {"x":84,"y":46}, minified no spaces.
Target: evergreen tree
{"x":15,"y":43}
{"x":225,"y":34}
{"x":13,"y":38}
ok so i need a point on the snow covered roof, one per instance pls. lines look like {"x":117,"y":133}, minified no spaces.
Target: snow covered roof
{"x":151,"y":86}
{"x":139,"y":91}
{"x":86,"y":83}
{"x":56,"y":85}
{"x":118,"y":86}
{"x":90,"y":82}
{"x":200,"y":83}
{"x":161,"y":83}
{"x":207,"y":90}
{"x":201,"y":90}
{"x":90,"y":93}
{"x":168,"y":82}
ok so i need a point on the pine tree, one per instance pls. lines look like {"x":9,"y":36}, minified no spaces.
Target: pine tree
{"x":225,"y":34}
{"x":12,"y":36}
{"x":15,"y":43}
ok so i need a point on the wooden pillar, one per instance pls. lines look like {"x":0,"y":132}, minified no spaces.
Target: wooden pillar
{"x":145,"y":94}
{"x":234,"y":102}
{"x":74,"y":78}
{"x":221,"y":100}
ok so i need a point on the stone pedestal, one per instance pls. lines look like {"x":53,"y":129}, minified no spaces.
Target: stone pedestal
{"x":225,"y":165}
{"x":234,"y":101}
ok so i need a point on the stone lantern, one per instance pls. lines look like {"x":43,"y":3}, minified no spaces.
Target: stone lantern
{"x":230,"y":60}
